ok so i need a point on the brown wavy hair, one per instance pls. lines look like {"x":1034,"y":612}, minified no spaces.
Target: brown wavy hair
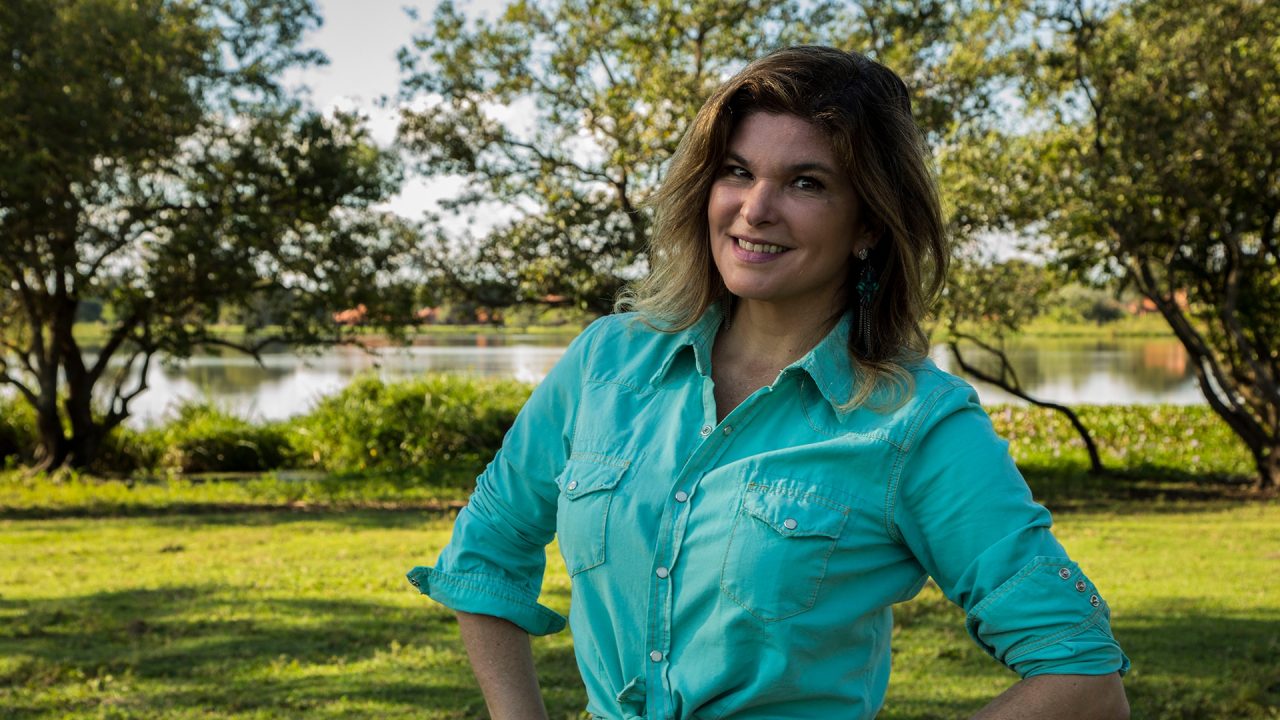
{"x":864,"y":108}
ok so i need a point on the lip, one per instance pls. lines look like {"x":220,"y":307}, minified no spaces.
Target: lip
{"x":747,"y":256}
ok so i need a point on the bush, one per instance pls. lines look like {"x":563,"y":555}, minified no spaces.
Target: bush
{"x":17,"y":431}
{"x":126,"y":451}
{"x":1077,"y":303}
{"x":421,"y":426}
{"x":205,"y":438}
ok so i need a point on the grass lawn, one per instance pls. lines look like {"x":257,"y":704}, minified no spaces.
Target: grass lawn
{"x":276,"y":611}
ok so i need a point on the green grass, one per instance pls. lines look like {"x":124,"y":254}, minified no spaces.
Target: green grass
{"x":284,"y":614}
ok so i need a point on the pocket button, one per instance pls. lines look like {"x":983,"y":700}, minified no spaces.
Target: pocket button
{"x":790,"y":524}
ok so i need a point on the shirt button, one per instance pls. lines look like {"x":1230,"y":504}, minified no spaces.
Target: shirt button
{"x":789,"y":524}
{"x":573,"y":484}
{"x":1064,"y":573}
{"x":1080,"y":586}
{"x":655,"y":656}
{"x":728,"y":429}
{"x":1094,"y":600}
{"x":706,"y":430}
{"x":681,"y":496}
{"x":661,"y":572}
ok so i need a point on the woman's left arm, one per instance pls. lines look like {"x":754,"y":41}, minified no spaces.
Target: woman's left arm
{"x":1069,"y":697}
{"x":967,"y":515}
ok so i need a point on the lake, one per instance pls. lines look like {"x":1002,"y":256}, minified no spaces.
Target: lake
{"x":1072,"y":371}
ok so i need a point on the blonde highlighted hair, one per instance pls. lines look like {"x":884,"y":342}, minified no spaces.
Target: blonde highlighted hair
{"x":865,"y":111}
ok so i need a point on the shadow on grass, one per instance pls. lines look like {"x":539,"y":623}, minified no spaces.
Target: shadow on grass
{"x":1189,"y":662}
{"x":195,"y":647}
{"x":1143,"y":489}
{"x":236,"y":512}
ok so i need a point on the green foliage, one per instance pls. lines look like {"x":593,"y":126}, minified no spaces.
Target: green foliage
{"x":1153,"y":159}
{"x":1075,"y":303}
{"x":1171,"y":440}
{"x":151,"y":164}
{"x":126,"y":451}
{"x":603,"y":92}
{"x":204,"y":438}
{"x":995,"y":298}
{"x":17,"y":431}
{"x":423,"y":426}
{"x":568,"y":110}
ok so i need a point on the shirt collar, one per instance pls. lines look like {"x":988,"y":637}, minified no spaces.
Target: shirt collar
{"x":827,"y":363}
{"x":698,"y":337}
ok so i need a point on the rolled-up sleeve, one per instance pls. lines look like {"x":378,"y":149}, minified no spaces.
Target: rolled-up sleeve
{"x":495,"y":560}
{"x":966,"y":513}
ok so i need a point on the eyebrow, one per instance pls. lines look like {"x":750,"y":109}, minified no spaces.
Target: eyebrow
{"x":796,"y":168}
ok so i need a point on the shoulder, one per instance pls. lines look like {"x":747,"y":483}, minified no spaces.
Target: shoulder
{"x":624,"y":349}
{"x":934,"y":394}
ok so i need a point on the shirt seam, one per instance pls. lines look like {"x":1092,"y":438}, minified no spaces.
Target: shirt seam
{"x":893,"y":490}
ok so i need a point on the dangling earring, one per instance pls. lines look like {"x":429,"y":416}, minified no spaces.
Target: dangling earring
{"x":867,"y":287}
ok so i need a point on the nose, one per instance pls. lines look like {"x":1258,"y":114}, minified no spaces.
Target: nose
{"x":759,"y":205}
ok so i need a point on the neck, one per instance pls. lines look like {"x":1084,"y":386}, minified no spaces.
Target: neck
{"x":765,"y":335}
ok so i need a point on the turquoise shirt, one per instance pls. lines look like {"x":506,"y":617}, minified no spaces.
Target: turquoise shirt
{"x":746,"y":568}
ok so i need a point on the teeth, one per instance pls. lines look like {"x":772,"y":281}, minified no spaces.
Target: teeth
{"x":752,"y":247}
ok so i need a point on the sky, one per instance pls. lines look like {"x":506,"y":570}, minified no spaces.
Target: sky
{"x":361,"y":38}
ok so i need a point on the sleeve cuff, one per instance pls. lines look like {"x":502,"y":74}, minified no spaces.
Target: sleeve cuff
{"x":486,"y":595}
{"x":1048,"y":619}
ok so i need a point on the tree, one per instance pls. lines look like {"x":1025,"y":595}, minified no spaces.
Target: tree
{"x":150,"y":159}
{"x":1159,"y":163}
{"x":567,"y":110}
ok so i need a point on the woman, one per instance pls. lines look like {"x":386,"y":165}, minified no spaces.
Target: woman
{"x":745,"y":473}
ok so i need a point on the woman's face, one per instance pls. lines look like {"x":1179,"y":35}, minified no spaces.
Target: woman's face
{"x":783,"y":217}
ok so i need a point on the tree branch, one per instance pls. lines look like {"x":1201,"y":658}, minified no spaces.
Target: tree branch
{"x":8,"y":379}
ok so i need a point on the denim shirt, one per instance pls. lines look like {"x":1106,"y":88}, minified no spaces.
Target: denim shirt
{"x":746,"y":568}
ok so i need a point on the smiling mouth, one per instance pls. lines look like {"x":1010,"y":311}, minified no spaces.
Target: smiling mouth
{"x":760,"y":247}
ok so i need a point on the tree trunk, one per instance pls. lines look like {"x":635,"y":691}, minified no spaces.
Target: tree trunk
{"x":1267,"y":460}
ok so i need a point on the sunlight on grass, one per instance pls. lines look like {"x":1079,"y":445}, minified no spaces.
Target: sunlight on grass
{"x":256,"y":615}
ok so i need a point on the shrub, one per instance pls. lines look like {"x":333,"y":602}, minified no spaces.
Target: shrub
{"x":17,"y":431}
{"x":126,"y":451}
{"x":422,"y":426}
{"x":1076,"y":303}
{"x":205,"y":438}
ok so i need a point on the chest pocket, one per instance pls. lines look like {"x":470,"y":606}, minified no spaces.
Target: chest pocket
{"x":587,"y":487}
{"x":777,"y":555}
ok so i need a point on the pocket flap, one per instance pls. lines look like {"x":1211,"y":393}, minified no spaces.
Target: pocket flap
{"x":795,"y":514}
{"x":583,"y":477}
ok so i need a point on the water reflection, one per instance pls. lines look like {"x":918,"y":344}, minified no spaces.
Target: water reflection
{"x":1071,"y":371}
{"x":1107,"y":372}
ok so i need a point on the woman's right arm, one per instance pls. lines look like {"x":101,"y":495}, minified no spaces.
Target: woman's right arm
{"x":502,"y":660}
